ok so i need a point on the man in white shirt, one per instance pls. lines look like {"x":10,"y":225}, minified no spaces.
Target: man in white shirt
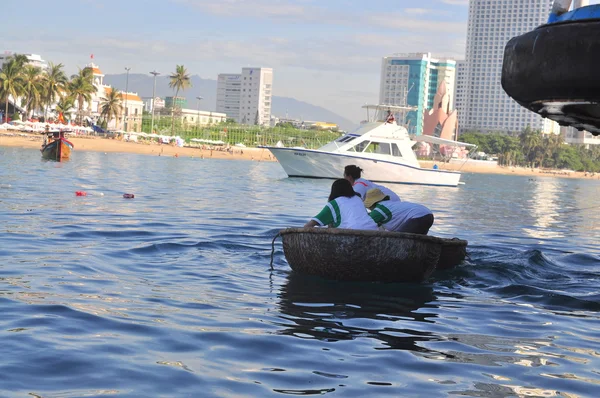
{"x":398,"y":216}
{"x":353,"y":174}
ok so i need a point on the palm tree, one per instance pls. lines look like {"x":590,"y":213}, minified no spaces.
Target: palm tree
{"x":55,"y":83}
{"x":20,"y":59}
{"x":65,"y":105}
{"x":180,"y":80}
{"x":530,"y":140}
{"x":110,"y":105}
{"x":81,"y":87}
{"x":33,"y":88}
{"x":554,"y":146}
{"x":11,"y":83}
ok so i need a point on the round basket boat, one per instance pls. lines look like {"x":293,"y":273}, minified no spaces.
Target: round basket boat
{"x":356,"y":255}
{"x":552,"y":70}
{"x":453,"y":253}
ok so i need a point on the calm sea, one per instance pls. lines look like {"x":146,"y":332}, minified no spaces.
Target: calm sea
{"x":171,"y":293}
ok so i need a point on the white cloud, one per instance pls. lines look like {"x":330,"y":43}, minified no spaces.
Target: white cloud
{"x":424,"y":26}
{"x":456,"y":2}
{"x":326,"y":65}
{"x":417,"y":11}
{"x":284,"y":11}
{"x":249,"y":8}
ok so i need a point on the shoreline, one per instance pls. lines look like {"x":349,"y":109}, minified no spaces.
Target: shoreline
{"x":472,"y":167}
{"x":98,"y":144}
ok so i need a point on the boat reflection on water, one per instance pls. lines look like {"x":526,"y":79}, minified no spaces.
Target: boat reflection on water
{"x":330,"y":310}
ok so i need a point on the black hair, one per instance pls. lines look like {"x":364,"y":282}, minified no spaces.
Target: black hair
{"x":341,"y":187}
{"x":353,"y":171}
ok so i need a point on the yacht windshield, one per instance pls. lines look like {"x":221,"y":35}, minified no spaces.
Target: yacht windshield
{"x":378,"y":147}
{"x":345,"y":138}
{"x":359,"y":147}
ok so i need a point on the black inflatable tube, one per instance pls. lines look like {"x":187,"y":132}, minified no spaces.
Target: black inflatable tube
{"x":557,"y":63}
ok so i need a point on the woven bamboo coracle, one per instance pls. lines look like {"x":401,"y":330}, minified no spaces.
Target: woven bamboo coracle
{"x":357,"y":255}
{"x":453,"y":253}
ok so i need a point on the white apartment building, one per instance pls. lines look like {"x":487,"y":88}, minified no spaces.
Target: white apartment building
{"x":485,"y":106}
{"x":229,"y":86}
{"x":246,"y":97}
{"x":573,"y":136}
{"x":34,"y":59}
{"x":413,"y":79}
{"x":459,"y":88}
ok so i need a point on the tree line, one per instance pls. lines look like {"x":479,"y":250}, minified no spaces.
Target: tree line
{"x":39,"y":90}
{"x":532,"y":148}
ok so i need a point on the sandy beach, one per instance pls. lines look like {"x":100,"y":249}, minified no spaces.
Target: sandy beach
{"x":97,"y":144}
{"x":476,"y":167}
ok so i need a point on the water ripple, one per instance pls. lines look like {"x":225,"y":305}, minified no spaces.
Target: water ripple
{"x":171,"y":293}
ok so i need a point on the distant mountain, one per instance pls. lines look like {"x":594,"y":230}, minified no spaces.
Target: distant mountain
{"x":294,"y":109}
{"x":207,"y":89}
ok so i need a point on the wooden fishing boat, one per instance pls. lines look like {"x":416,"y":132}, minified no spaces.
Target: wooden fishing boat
{"x":356,"y":255}
{"x":58,"y":147}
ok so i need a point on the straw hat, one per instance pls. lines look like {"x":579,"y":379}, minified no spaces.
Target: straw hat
{"x":373,"y":196}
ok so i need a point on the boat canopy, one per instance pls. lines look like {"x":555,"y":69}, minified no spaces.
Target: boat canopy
{"x":435,"y":140}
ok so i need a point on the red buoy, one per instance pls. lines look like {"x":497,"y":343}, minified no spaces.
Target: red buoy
{"x":80,"y":193}
{"x":128,"y":195}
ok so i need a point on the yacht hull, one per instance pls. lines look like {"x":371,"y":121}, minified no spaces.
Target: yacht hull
{"x":309,"y":163}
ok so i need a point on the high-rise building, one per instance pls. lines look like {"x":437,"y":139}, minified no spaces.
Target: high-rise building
{"x":413,"y":80}
{"x":229,"y":86}
{"x":485,"y":106}
{"x":246,"y":97}
{"x":459,"y":88}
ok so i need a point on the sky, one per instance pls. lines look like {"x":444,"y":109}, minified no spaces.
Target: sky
{"x":325,"y":52}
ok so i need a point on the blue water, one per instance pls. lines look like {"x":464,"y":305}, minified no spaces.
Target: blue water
{"x":171,"y":293}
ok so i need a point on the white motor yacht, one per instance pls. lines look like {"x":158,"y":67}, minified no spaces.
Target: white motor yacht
{"x":381,"y":147}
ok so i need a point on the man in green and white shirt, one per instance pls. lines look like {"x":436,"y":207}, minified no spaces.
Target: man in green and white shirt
{"x":398,"y":216}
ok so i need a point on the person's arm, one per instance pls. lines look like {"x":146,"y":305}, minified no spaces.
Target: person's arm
{"x":380,"y":215}
{"x":311,"y":224}
{"x":377,"y":217}
{"x":325,"y":217}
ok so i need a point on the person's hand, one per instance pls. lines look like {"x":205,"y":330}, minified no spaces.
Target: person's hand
{"x":311,"y":224}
